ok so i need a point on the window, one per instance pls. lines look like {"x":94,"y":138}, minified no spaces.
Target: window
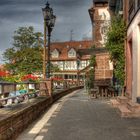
{"x":134,"y":5}
{"x":74,"y":65}
{"x":66,"y":65}
{"x":59,"y":64}
{"x":83,"y":64}
{"x":120,"y":5}
{"x":138,"y":4}
{"x":55,"y":54}
{"x":72,"y":53}
{"x":70,"y":65}
{"x":131,"y":9}
{"x":110,"y":65}
{"x":80,"y":46}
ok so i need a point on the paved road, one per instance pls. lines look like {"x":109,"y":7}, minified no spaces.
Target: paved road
{"x":77,"y":117}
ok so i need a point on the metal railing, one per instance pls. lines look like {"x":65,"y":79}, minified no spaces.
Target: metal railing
{"x":65,"y":84}
{"x":12,"y":93}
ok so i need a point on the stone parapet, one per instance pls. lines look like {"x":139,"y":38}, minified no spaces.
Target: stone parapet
{"x":15,"y":118}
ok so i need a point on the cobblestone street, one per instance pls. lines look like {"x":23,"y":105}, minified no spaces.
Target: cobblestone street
{"x":76,"y":117}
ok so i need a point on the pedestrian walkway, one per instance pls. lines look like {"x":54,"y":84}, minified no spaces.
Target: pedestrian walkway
{"x":77,"y":117}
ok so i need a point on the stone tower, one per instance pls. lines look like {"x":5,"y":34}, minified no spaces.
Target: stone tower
{"x":100,"y":19}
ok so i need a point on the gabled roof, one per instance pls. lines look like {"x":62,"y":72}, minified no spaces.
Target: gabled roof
{"x":64,"y":47}
{"x":72,"y":48}
{"x":56,"y":49}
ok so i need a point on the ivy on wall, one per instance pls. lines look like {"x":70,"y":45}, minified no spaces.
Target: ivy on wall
{"x":92,"y":70}
{"x":115,"y":45}
{"x":91,"y":73}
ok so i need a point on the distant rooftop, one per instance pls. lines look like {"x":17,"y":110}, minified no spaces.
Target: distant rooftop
{"x":100,"y":1}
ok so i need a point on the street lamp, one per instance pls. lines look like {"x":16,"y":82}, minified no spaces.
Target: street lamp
{"x":49,"y":21}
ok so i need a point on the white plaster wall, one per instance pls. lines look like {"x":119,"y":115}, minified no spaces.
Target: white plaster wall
{"x":104,"y":13}
{"x":105,"y":16}
{"x":134,"y":30}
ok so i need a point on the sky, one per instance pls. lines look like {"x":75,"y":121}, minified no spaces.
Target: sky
{"x":71,"y":15}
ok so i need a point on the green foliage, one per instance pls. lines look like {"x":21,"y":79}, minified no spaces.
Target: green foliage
{"x":90,"y":78}
{"x":25,"y":37}
{"x":92,"y":47}
{"x":9,"y":54}
{"x":26,"y":55}
{"x":115,"y":45}
{"x":9,"y":79}
{"x":92,"y":71}
{"x":91,"y":74}
{"x":92,"y":62}
{"x":54,"y":68}
{"x":13,"y":78}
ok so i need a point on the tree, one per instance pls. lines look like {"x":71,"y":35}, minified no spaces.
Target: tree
{"x":115,"y":45}
{"x":25,"y":37}
{"x":26,"y":54}
{"x":54,"y":68}
{"x":91,"y":73}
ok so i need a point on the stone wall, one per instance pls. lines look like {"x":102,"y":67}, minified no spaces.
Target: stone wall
{"x":14,"y":119}
{"x":103,"y":70}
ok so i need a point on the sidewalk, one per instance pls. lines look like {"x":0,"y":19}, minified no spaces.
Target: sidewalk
{"x":76,"y":117}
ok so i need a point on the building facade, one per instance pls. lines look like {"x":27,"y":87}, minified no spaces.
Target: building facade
{"x":132,"y":16}
{"x":65,"y":56}
{"x":100,"y":19}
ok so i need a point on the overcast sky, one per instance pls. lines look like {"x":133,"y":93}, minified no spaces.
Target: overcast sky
{"x":71,"y":15}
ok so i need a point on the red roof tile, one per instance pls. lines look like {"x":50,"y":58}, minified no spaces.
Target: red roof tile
{"x":64,"y":47}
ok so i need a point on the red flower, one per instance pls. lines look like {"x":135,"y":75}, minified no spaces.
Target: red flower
{"x":57,"y":78}
{"x":3,"y":74}
{"x":29,"y":77}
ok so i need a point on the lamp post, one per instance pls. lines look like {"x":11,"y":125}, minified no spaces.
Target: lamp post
{"x":49,"y":21}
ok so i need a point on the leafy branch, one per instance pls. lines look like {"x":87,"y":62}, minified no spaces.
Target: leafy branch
{"x":115,"y":45}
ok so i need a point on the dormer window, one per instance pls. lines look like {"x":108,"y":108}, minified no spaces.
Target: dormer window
{"x":72,"y":53}
{"x":55,"y":53}
{"x":80,"y":46}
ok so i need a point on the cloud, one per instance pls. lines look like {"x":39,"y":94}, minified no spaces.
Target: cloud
{"x":20,"y":2}
{"x":71,"y":14}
